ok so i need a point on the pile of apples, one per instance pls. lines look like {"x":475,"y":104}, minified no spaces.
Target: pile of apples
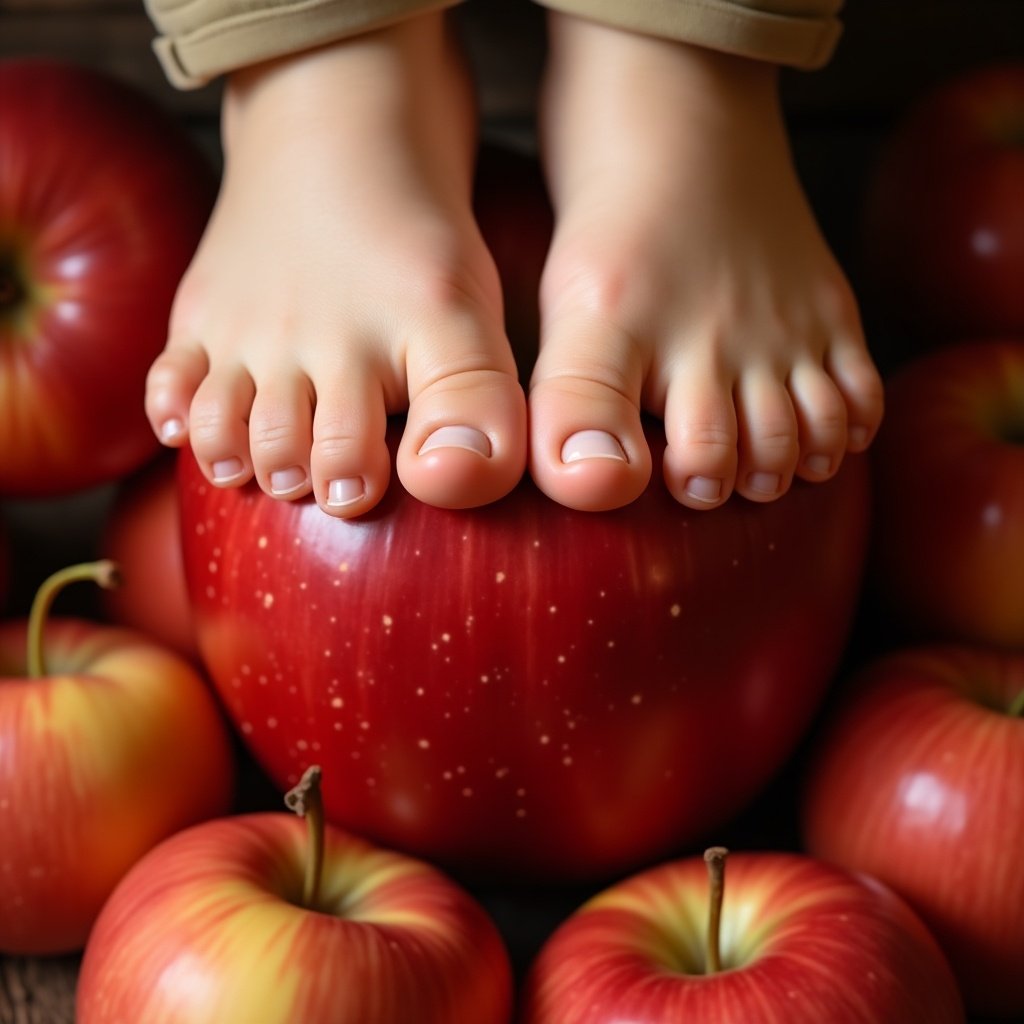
{"x":520,"y":696}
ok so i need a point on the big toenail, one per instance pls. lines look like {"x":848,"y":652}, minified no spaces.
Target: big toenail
{"x":227,"y":470}
{"x":818,"y":464}
{"x":345,"y":491}
{"x":858,"y":436}
{"x":592,"y":444}
{"x":284,"y":481}
{"x":764,"y":483}
{"x":469,"y":438}
{"x":171,"y":430}
{"x":704,"y":488}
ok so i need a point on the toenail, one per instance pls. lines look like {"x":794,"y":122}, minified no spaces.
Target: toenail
{"x":818,"y":464}
{"x":858,"y":436}
{"x":704,"y":488}
{"x":592,"y":444}
{"x":284,"y":481}
{"x":345,"y":491}
{"x":764,"y":483}
{"x":469,"y":438}
{"x":171,"y":430}
{"x":227,"y":470}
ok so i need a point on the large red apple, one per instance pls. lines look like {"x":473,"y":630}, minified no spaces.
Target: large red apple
{"x":920,"y":782}
{"x":525,"y":689}
{"x":944,"y":211}
{"x":108,"y":744}
{"x":245,"y":920}
{"x":948,"y":539}
{"x":142,"y":534}
{"x":102,"y":202}
{"x":798,"y":942}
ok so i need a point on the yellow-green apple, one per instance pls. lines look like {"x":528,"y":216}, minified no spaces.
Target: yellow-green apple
{"x":142,"y":534}
{"x":944,"y":211}
{"x":103,"y":198}
{"x":790,"y":940}
{"x":525,"y":689}
{"x":948,"y":538}
{"x":919,"y":781}
{"x":108,"y":744}
{"x":246,"y":920}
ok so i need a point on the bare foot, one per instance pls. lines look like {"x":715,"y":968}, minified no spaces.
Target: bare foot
{"x":342,"y":278}
{"x":687,"y":277}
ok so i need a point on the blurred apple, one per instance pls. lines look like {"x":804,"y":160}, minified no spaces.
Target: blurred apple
{"x":108,"y":744}
{"x":919,"y":781}
{"x":246,"y":920}
{"x":944,"y":211}
{"x":103,"y":198}
{"x":789,"y":941}
{"x":948,"y":534}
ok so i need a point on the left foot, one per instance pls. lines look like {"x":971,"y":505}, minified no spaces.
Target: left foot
{"x":687,"y":277}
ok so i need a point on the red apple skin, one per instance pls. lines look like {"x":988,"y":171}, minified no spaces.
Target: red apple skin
{"x":944,"y":211}
{"x":802,"y":943}
{"x":142,"y":534}
{"x":103,"y":199}
{"x":207,"y":928}
{"x":919,"y":781}
{"x":524,"y":690}
{"x":119,"y":746}
{"x":948,"y":538}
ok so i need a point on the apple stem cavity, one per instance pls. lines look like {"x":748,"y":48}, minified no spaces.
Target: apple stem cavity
{"x":1017,"y":706}
{"x":105,"y":573}
{"x":715,"y":857}
{"x":307,"y":802}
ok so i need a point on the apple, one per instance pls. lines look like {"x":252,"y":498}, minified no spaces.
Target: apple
{"x":919,"y":781}
{"x":525,"y":690}
{"x":943,"y":220}
{"x":108,"y":743}
{"x":788,"y":940}
{"x":243,"y":920}
{"x":142,"y":534}
{"x":948,"y":539}
{"x":103,"y":199}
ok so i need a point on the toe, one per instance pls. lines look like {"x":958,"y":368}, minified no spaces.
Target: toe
{"x":171,"y":385}
{"x":349,"y":461}
{"x":587,"y":445}
{"x":821,"y":420}
{"x":280,"y":434}
{"x":701,"y":435}
{"x":219,"y":425}
{"x":768,"y":443}
{"x":860,"y":384}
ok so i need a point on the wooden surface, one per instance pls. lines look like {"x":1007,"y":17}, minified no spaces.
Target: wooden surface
{"x":890,"y":53}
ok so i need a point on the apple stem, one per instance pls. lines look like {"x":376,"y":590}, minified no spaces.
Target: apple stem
{"x":104,"y":572}
{"x":715,"y":857}
{"x":1017,"y":706}
{"x":307,"y":802}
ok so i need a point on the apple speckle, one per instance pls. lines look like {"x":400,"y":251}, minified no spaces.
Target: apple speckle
{"x":337,"y":702}
{"x":271,"y":723}
{"x":262,"y":542}
{"x":499,"y":577}
{"x":467,"y":791}
{"x":675,"y":611}
{"x":268,"y":600}
{"x":387,"y":621}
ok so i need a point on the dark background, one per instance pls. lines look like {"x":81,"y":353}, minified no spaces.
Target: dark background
{"x":891,"y":52}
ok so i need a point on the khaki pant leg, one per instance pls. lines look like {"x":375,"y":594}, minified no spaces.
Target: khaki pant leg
{"x":795,"y":33}
{"x":200,"y":39}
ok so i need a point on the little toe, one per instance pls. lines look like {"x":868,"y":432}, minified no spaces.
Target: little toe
{"x":349,"y":461}
{"x":701,"y":435}
{"x":281,"y":435}
{"x":821,"y":419}
{"x":768,"y":438}
{"x":219,"y":426}
{"x":464,"y":443}
{"x":171,"y":384}
{"x":860,"y":384}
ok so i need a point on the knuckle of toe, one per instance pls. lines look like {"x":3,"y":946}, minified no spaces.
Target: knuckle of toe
{"x":271,"y":435}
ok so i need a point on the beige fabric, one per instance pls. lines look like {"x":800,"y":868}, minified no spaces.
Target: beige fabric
{"x":201,"y":39}
{"x":795,"y":33}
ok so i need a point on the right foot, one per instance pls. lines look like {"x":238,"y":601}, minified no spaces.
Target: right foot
{"x":342,"y":278}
